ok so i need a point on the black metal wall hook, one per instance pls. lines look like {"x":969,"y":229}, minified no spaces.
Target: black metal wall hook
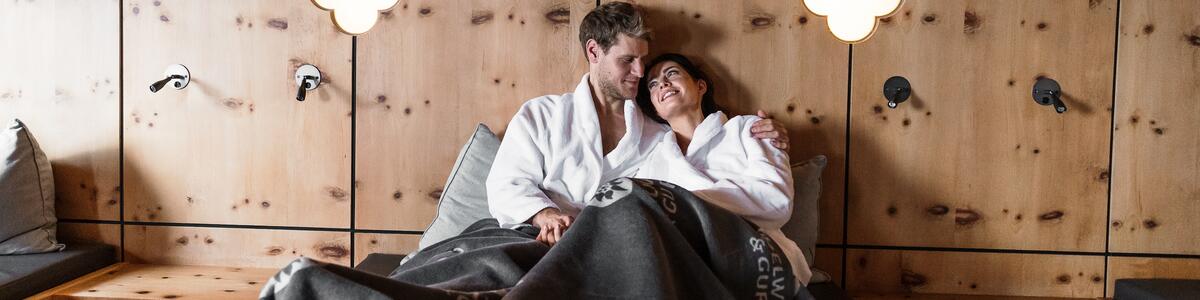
{"x":896,"y":90}
{"x":1047,"y":92}
{"x":304,"y":87}
{"x":158,"y":85}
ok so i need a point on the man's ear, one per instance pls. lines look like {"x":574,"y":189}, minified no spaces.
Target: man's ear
{"x":592,"y":51}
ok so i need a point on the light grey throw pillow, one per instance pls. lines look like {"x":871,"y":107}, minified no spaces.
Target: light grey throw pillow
{"x":27,"y":221}
{"x":804,"y":225}
{"x":464,"y":198}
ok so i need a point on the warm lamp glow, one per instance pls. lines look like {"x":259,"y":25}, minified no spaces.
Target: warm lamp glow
{"x":852,"y":21}
{"x":355,"y":17}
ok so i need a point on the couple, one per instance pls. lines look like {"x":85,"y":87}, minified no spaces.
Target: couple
{"x":559,"y":149}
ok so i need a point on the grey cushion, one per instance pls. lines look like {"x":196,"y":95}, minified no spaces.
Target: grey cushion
{"x":381,"y":264}
{"x":464,"y":198}
{"x":27,"y":222}
{"x":1156,"y":289}
{"x":804,"y":224}
{"x":24,"y":275}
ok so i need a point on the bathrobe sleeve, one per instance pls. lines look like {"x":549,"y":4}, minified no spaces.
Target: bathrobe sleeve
{"x":763,"y":194}
{"x":514,"y":183}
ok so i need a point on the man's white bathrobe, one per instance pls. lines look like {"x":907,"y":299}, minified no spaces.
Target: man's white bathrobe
{"x":551,"y":155}
{"x":727,"y":167}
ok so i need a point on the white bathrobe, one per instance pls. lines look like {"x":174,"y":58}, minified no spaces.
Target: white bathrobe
{"x":727,"y":167}
{"x":551,"y":155}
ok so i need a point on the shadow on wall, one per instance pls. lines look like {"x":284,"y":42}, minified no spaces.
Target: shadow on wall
{"x":78,"y":195}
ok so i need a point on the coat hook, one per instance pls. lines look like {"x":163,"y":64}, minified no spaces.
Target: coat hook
{"x":308,"y":77}
{"x":896,"y":90}
{"x":1047,"y":92}
{"x":176,"y":75}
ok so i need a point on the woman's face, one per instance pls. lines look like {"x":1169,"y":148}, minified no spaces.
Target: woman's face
{"x":673,"y":91}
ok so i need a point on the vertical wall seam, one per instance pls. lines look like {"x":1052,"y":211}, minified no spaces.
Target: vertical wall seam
{"x":121,"y":121}
{"x":1112,"y":136}
{"x":353,"y":137}
{"x":846,"y":164}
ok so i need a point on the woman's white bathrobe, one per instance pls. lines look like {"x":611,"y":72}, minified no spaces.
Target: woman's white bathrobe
{"x":551,"y":155}
{"x":727,"y":167}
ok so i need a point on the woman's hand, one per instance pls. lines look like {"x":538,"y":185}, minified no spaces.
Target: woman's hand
{"x":553,"y":223}
{"x":767,"y":128}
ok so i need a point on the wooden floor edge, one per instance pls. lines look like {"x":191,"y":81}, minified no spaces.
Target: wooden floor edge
{"x":49,"y":294}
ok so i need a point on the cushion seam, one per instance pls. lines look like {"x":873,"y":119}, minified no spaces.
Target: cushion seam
{"x":33,"y":148}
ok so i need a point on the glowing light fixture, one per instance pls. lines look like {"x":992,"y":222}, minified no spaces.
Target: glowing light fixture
{"x":355,"y":17}
{"x":852,"y":21}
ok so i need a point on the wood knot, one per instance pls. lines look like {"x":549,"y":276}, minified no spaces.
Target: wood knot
{"x":1103,"y":176}
{"x":761,"y":20}
{"x":971,"y":22}
{"x":274,"y":250}
{"x":1094,"y":3}
{"x":1150,"y":223}
{"x":333,"y":251}
{"x":1042,"y":26}
{"x":815,"y":120}
{"x":265,"y":204}
{"x":1063,"y":279}
{"x":964,"y":216}
{"x":906,"y":122}
{"x":1160,"y":130}
{"x":1116,"y":224}
{"x":559,"y":16}
{"x":336,"y":193}
{"x":1148,"y":29}
{"x":435,"y":194}
{"x":425,"y":11}
{"x":929,"y":19}
{"x":938,"y":210}
{"x":891,"y":210}
{"x":912,"y":279}
{"x":1194,"y":40}
{"x":278,"y":23}
{"x":803,"y":20}
{"x":1051,"y":216}
{"x":481,"y":17}
{"x":877,"y":109}
{"x":232,"y":103}
{"x":183,"y":240}
{"x":164,"y":18}
{"x":381,"y":99}
{"x":397,"y":195}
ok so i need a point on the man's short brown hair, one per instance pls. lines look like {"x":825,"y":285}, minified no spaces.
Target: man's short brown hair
{"x":604,"y":23}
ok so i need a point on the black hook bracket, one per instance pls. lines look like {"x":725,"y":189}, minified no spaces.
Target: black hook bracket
{"x":1047,"y":92}
{"x":896,"y":90}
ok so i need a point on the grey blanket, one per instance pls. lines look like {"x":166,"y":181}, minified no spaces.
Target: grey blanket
{"x":637,"y":239}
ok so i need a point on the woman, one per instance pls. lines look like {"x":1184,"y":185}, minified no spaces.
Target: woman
{"x":714,"y":156}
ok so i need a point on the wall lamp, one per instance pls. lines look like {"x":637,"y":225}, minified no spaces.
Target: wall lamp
{"x":354,"y":17}
{"x":852,"y":21}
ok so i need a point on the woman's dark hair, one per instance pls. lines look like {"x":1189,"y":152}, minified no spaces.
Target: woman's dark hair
{"x":707,"y":104}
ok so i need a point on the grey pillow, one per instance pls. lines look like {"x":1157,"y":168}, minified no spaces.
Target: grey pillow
{"x":804,"y":225}
{"x":464,"y":198}
{"x":27,"y":221}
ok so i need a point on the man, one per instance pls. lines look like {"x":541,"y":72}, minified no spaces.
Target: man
{"x":558,"y":149}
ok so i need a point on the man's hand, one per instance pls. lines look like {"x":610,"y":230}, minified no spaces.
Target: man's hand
{"x":552,"y":223}
{"x":767,"y":128}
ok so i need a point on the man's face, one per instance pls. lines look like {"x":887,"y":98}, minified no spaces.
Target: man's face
{"x":619,"y":69}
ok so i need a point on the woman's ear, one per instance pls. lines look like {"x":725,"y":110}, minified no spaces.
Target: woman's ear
{"x":703,"y":86}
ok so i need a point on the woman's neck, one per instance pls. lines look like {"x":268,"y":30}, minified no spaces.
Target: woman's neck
{"x":685,"y":128}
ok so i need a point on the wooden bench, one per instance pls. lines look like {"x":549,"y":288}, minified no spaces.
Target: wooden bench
{"x":138,"y":281}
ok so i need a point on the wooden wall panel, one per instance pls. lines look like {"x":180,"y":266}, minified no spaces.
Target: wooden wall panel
{"x":71,"y":233}
{"x":367,"y":243}
{"x":773,"y":56}
{"x":1156,"y":156}
{"x":429,"y":71}
{"x":60,"y":76}
{"x":235,"y":146}
{"x":971,"y":160}
{"x":250,"y":248}
{"x":928,"y":272}
{"x":1144,"y":267}
{"x":830,"y":261}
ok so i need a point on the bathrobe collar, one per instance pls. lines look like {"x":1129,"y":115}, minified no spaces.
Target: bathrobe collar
{"x":706,"y":132}
{"x":588,"y":125}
